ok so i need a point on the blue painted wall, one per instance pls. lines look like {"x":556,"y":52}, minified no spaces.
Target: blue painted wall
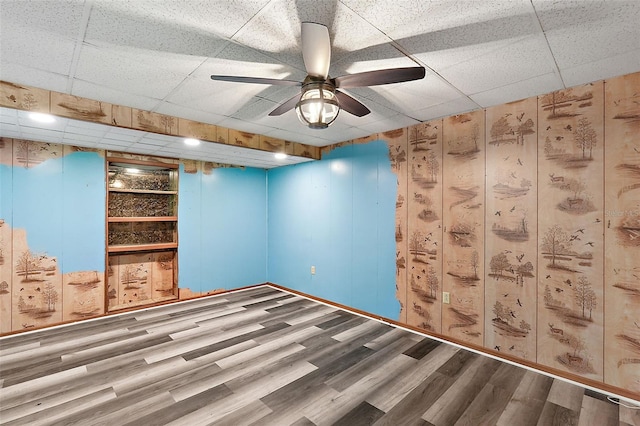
{"x":237,"y":227}
{"x":222,"y":229}
{"x":55,"y":202}
{"x":337,"y":214}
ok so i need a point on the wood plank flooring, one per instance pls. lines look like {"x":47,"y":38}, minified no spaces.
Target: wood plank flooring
{"x":266,"y":357}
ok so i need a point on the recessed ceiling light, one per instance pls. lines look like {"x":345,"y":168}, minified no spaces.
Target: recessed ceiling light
{"x":280,"y":155}
{"x":192,"y":142}
{"x":41,"y":118}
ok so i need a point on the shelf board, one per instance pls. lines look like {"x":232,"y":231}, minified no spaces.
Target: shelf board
{"x":142,"y":191}
{"x":154,"y":165}
{"x":143,"y":219}
{"x":141,"y":247}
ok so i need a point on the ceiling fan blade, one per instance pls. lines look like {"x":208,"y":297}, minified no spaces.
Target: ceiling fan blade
{"x":376,"y":78}
{"x":286,"y":106}
{"x":351,"y":104}
{"x":256,"y":80}
{"x":316,"y":49}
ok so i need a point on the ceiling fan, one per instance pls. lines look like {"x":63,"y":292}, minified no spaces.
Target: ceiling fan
{"x":320,"y":99}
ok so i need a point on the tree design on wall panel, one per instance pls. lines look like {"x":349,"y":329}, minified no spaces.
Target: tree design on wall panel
{"x":37,"y":286}
{"x":542,"y":234}
{"x":510,"y":229}
{"x":424,"y":267}
{"x":570,"y":232}
{"x":463,"y":226}
{"x":622,"y":232}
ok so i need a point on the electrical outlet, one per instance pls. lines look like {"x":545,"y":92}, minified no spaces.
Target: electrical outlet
{"x":313,"y":270}
{"x":445,"y":297}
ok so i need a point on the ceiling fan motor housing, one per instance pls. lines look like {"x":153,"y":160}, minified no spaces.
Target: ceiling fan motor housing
{"x":318,"y":106}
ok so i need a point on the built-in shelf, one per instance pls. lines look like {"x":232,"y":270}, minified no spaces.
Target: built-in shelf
{"x":142,"y":191}
{"x":141,"y":247}
{"x":143,"y":219}
{"x":142,"y":233}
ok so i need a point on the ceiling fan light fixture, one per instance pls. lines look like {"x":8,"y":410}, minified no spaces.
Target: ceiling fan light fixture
{"x":318,"y":106}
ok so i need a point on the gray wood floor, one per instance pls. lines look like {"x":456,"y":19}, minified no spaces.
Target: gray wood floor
{"x":266,"y":357}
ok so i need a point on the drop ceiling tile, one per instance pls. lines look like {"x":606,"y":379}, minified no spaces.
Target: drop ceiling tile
{"x":582,"y":32}
{"x":245,"y":126}
{"x":456,"y":106}
{"x":8,"y":117}
{"x":121,"y":137}
{"x":319,"y":137}
{"x":21,"y":74}
{"x":213,"y":97}
{"x":160,"y":138}
{"x":175,"y":27}
{"x":137,"y":71}
{"x":345,"y":134}
{"x":288,"y":120}
{"x":59,"y":18}
{"x":81,"y":140}
{"x":288,"y":135}
{"x":28,"y":124}
{"x":349,"y":33}
{"x":520,"y":90}
{"x":378,"y":112}
{"x":115,"y":96}
{"x":182,"y":111}
{"x":123,"y":133}
{"x":442,"y":25}
{"x":52,"y":137}
{"x":517,"y":61}
{"x":370,"y":58}
{"x":94,"y":130}
{"x":414,"y":95}
{"x":78,"y":142}
{"x":256,"y":109}
{"x":6,"y":127}
{"x":175,"y":150}
{"x":605,"y":68}
{"x":151,"y":142}
{"x":37,"y":49}
{"x":275,"y":31}
{"x":220,"y":18}
{"x":236,"y":59}
{"x":279,"y":94}
{"x":137,"y":149}
{"x":391,"y":123}
{"x":116,"y":142}
{"x":10,"y":133}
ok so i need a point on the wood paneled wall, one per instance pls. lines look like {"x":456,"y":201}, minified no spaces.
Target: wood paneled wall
{"x":528,"y":214}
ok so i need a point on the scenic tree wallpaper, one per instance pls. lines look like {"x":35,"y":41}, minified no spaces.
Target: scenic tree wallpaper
{"x":540,"y":242}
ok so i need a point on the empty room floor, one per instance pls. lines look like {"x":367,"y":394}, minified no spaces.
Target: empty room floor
{"x":267,"y":357}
